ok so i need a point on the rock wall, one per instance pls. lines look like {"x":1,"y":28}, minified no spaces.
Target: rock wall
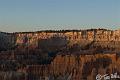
{"x":98,"y":37}
{"x":74,"y":67}
{"x":21,"y":66}
{"x":42,"y":63}
{"x":84,"y":39}
{"x":7,"y":41}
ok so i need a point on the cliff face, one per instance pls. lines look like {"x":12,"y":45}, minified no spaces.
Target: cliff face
{"x":7,"y":41}
{"x":25,"y":66}
{"x":59,"y":55}
{"x":77,"y":67}
{"x":83,"y":38}
{"x":90,"y":38}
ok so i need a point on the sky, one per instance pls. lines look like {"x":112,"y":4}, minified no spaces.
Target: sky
{"x":35,"y":15}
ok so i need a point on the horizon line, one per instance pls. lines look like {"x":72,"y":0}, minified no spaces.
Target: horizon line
{"x":60,"y":30}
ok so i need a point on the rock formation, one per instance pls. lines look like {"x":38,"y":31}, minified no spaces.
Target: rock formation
{"x":90,"y":38}
{"x":59,"y":55}
{"x":7,"y":41}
